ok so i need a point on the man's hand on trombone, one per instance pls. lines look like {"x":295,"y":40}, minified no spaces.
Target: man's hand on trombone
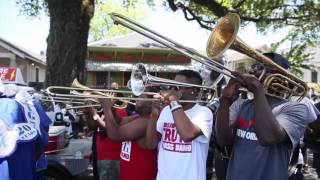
{"x":231,"y":91}
{"x":106,"y":103}
{"x":170,"y":95}
{"x":248,"y":81}
{"x":156,"y":106}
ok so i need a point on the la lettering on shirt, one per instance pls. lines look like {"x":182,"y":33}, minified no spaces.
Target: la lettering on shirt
{"x":183,"y":160}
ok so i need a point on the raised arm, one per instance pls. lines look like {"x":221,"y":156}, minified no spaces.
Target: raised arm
{"x":223,"y":127}
{"x":130,"y":131}
{"x":89,"y":113}
{"x":187,"y":130}
{"x":267,"y":128}
{"x":152,"y":135}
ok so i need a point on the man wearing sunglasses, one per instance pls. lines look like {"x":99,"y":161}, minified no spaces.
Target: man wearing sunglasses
{"x":262,"y":131}
{"x":182,"y":130}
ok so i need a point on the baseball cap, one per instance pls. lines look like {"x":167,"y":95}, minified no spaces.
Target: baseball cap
{"x":279,"y":59}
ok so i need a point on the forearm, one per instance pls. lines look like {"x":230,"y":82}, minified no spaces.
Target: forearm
{"x":100,"y":122}
{"x":224,"y":131}
{"x":186,"y":129}
{"x":152,"y":137}
{"x":92,"y":125}
{"x":267,"y":128}
{"x":111,"y":126}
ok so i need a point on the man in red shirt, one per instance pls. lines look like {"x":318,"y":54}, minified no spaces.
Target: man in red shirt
{"x":135,"y":160}
{"x":107,"y":150}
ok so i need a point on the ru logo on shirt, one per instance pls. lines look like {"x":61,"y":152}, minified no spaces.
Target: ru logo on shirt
{"x":173,"y":142}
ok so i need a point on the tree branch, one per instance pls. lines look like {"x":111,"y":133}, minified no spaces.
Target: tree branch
{"x":239,"y":4}
{"x":199,"y":20}
{"x":216,"y":8}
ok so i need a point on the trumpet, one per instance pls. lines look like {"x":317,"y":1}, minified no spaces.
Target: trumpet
{"x":281,"y":85}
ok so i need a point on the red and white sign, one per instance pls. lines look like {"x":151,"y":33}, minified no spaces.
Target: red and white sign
{"x":11,"y":75}
{"x":8,"y":74}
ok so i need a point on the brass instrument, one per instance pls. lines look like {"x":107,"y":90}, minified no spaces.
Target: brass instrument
{"x":140,"y":79}
{"x":188,"y":52}
{"x":85,"y":96}
{"x":84,"y":93}
{"x":223,"y":36}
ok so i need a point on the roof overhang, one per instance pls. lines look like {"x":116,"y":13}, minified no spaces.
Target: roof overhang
{"x":127,"y":67}
{"x":137,"y":50}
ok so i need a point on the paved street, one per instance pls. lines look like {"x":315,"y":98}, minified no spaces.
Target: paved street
{"x":311,"y":175}
{"x":88,"y":175}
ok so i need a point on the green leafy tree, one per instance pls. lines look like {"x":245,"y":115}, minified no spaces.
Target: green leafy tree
{"x":102,"y":26}
{"x":301,"y":17}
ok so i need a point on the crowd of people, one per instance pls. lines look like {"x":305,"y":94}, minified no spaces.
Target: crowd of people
{"x":235,"y":136}
{"x":174,"y":137}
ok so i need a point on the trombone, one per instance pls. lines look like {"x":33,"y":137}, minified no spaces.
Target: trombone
{"x":188,"y":52}
{"x":223,"y":36}
{"x":140,"y":79}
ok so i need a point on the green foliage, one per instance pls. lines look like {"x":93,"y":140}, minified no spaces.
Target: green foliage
{"x":296,"y":54}
{"x":32,"y":8}
{"x":301,"y":17}
{"x":102,"y":25}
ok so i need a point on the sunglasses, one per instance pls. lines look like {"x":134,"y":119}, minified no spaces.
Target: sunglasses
{"x":170,"y":87}
{"x":257,"y":67}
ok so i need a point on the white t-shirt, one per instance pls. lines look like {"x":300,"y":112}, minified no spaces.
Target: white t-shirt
{"x":179,"y":160}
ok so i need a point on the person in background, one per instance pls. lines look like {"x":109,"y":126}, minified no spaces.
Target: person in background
{"x":107,"y":150}
{"x":135,"y":159}
{"x":45,"y":122}
{"x":216,"y":154}
{"x":22,"y":156}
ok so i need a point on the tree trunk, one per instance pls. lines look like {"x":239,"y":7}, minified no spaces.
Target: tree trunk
{"x":67,"y":40}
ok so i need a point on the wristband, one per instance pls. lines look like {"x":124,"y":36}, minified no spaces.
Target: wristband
{"x":175,"y":105}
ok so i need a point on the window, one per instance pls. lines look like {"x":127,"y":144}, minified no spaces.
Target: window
{"x":102,"y":79}
{"x":37,"y":74}
{"x":127,"y":76}
{"x":314,"y":76}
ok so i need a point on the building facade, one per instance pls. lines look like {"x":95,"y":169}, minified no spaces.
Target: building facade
{"x":32,"y":66}
{"x":112,"y":60}
{"x":312,"y":75}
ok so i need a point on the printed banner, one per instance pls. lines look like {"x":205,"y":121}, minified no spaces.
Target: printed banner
{"x":8,"y":74}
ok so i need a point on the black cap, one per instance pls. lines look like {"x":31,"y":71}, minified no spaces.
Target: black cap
{"x":278,"y":59}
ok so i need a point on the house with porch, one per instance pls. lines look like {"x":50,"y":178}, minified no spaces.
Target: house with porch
{"x":31,"y":65}
{"x":111,"y":60}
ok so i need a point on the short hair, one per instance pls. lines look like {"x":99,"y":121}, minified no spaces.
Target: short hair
{"x":114,"y":85}
{"x":194,"y":76}
{"x":278,"y":59}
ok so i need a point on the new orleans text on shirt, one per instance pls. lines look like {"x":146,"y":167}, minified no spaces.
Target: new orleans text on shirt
{"x":172,"y":141}
{"x":246,"y":135}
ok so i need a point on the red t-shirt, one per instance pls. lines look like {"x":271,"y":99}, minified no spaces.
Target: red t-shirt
{"x":106,"y":148}
{"x":136,"y":162}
